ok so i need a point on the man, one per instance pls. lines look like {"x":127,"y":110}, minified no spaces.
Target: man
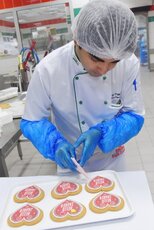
{"x":92,"y":86}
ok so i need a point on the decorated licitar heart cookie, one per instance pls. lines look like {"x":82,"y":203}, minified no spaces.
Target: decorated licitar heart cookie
{"x":30,"y":194}
{"x":104,"y":202}
{"x":68,"y":210}
{"x":65,"y":189}
{"x":98,"y":184}
{"x":27,"y":215}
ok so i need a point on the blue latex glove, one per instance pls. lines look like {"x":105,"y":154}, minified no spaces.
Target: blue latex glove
{"x":49,"y":142}
{"x":119,"y":130}
{"x":63,"y":153}
{"x":89,"y":139}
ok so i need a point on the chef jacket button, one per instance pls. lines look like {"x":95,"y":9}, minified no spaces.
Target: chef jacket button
{"x":77,"y":78}
{"x":104,"y":77}
{"x":80,"y":102}
{"x":82,"y":122}
{"x":105,"y":102}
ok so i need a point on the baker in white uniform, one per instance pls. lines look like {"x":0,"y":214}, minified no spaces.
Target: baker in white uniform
{"x":92,"y":87}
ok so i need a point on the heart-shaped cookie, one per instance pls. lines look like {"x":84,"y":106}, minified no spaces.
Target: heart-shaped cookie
{"x":98,"y":184}
{"x":30,"y":194}
{"x":104,"y":202}
{"x":65,"y":189}
{"x":68,"y":210}
{"x":27,"y":215}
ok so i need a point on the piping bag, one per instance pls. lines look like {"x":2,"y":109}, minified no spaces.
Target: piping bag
{"x":79,"y":168}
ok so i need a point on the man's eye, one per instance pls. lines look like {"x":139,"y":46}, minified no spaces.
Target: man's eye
{"x":95,"y":59}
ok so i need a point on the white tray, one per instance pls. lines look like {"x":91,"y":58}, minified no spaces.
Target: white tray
{"x":84,"y":198}
{"x":16,"y":109}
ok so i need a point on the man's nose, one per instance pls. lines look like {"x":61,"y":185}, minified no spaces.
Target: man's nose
{"x":104,"y":67}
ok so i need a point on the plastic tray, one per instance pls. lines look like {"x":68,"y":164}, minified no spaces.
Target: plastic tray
{"x":84,"y":198}
{"x":16,"y":109}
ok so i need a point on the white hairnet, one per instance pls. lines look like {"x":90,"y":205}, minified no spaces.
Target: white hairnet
{"x":106,"y":29}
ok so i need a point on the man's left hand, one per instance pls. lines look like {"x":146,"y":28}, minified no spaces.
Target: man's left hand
{"x":89,"y":139}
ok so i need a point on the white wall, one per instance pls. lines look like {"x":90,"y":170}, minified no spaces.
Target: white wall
{"x":141,"y":20}
{"x":151,"y":40}
{"x":79,"y":3}
{"x":130,"y":3}
{"x":137,"y":3}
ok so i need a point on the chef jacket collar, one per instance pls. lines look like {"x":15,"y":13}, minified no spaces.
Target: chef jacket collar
{"x":76,"y":61}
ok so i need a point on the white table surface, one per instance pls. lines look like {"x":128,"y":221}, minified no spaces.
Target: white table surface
{"x":135,"y":185}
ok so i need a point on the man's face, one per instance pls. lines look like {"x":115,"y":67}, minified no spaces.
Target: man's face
{"x":94,"y":66}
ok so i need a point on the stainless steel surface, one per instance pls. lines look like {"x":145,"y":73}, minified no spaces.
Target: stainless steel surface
{"x":9,"y":139}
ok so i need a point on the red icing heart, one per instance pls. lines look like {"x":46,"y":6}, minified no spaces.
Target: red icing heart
{"x":99,"y":183}
{"x":105,"y":202}
{"x":30,"y":193}
{"x":24,"y":215}
{"x":106,"y":199}
{"x":65,"y":187}
{"x":68,"y":209}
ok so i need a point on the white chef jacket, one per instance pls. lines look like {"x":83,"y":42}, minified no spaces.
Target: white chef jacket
{"x":77,"y":100}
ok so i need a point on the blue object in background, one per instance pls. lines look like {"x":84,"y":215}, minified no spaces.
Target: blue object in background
{"x":143,"y":52}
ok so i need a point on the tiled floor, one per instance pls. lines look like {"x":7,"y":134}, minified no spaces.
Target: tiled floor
{"x":140,"y":150}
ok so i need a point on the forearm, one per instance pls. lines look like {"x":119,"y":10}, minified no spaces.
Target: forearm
{"x":43,"y":135}
{"x":119,"y":130}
